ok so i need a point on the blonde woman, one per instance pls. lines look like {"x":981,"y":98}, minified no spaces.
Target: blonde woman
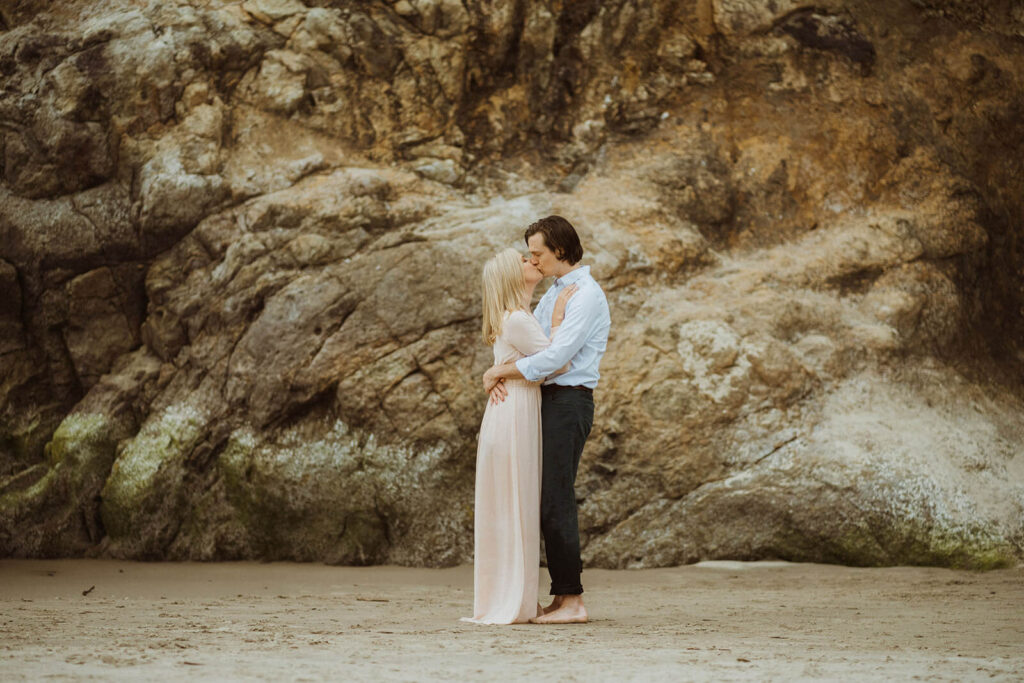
{"x":506,"y":565}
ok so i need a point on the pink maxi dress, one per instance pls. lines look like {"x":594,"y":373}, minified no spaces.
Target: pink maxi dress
{"x":506,"y":536}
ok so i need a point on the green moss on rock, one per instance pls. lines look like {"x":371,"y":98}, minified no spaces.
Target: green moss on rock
{"x":909,"y":542}
{"x":340,"y":497}
{"x":56,"y":514}
{"x":144,"y":483}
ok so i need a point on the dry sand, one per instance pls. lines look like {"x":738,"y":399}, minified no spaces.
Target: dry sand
{"x":713,"y":621}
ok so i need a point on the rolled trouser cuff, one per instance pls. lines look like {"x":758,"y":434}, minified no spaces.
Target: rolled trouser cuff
{"x":567,"y":589}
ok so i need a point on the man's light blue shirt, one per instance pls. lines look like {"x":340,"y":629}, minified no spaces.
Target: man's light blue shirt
{"x":582,"y":336}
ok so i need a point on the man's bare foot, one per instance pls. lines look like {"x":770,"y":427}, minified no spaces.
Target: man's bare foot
{"x":569,"y":611}
{"x":555,"y":604}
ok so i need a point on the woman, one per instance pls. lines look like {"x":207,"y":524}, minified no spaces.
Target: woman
{"x":507,"y":518}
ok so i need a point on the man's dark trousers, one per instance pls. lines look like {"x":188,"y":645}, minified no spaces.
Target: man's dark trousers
{"x":567,"y":414}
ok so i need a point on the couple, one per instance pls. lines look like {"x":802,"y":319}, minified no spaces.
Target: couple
{"x":539,"y":415}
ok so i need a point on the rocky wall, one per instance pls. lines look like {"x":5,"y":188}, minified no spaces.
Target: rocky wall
{"x":240,"y":247}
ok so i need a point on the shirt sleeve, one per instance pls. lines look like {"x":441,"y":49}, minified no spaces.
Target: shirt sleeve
{"x":572,"y":334}
{"x":523,"y":332}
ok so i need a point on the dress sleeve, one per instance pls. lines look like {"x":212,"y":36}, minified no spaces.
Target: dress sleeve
{"x":523,"y":333}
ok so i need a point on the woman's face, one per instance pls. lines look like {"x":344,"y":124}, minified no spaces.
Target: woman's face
{"x":530,"y":273}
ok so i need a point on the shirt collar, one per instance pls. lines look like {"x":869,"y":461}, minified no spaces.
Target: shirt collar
{"x":572,"y":276}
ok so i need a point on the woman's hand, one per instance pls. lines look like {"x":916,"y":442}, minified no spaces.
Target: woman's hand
{"x":558,"y":315}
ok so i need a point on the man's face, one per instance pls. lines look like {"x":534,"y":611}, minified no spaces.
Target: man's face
{"x":542,"y":257}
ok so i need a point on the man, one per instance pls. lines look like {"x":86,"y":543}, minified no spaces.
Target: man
{"x":567,"y":402}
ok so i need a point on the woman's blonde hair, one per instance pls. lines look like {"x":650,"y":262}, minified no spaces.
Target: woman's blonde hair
{"x":504,"y":290}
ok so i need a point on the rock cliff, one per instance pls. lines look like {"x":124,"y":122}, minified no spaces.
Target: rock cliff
{"x":240,"y":246}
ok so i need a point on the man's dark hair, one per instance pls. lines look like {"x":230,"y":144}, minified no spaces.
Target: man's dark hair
{"x":559,"y":236}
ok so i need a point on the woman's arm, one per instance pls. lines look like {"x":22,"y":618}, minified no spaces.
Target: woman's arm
{"x":557,"y":316}
{"x":558,"y":312}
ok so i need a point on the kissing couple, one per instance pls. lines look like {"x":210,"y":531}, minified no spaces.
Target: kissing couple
{"x":538,"y":416}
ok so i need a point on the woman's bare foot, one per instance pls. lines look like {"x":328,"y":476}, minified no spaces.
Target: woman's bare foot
{"x":569,"y":610}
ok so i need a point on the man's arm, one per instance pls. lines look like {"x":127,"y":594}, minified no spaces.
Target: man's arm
{"x":497,"y":373}
{"x":528,"y":344}
{"x":497,"y":392}
{"x":580,"y":312}
{"x":571,"y":336}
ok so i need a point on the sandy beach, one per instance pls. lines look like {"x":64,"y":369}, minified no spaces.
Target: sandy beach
{"x":109,"y":620}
